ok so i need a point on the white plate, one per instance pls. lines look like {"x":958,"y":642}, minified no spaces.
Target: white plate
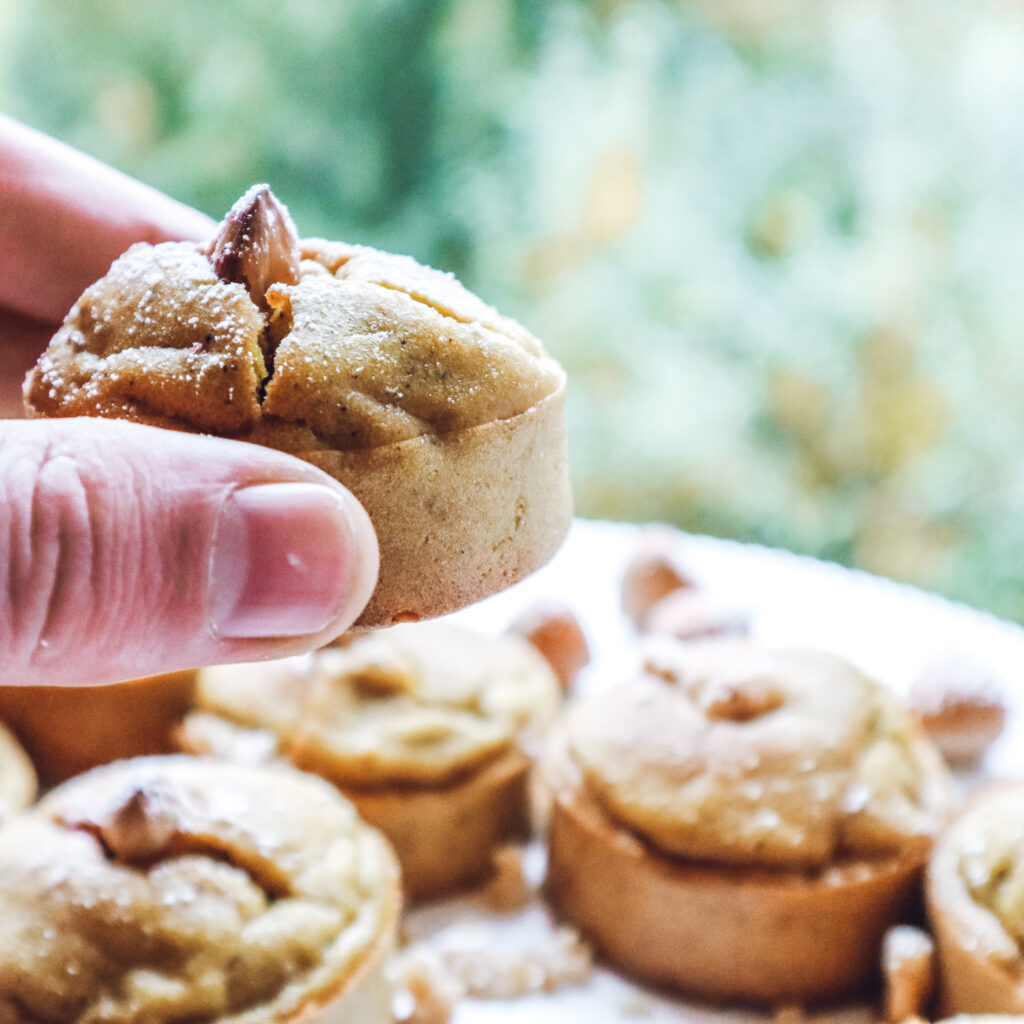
{"x":887,"y":629}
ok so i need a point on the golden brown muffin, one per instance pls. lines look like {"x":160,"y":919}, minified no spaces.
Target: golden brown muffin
{"x":975,"y":899}
{"x":422,"y":726}
{"x":742,"y":824}
{"x":444,"y":418}
{"x":69,"y":729}
{"x":17,"y":776}
{"x":172,"y":889}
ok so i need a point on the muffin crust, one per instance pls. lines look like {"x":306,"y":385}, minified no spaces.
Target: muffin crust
{"x":172,"y":888}
{"x":975,"y":899}
{"x":422,"y":726}
{"x":741,"y":824}
{"x":763,"y":758}
{"x":444,"y":418}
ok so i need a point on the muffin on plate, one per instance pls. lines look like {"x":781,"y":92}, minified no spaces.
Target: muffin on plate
{"x":425,"y":727}
{"x":975,"y":900}
{"x":445,"y":418}
{"x":742,"y":824}
{"x":17,"y":775}
{"x":172,"y":889}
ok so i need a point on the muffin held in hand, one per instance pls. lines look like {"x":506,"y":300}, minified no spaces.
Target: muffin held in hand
{"x":444,"y":418}
{"x":975,"y":897}
{"x":742,"y":824}
{"x":423,"y":726}
{"x":173,"y":889}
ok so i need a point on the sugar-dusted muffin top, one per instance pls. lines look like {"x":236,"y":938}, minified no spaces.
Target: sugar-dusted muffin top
{"x":298,"y":345}
{"x":417,"y":704}
{"x":173,"y":889}
{"x":733,"y":754}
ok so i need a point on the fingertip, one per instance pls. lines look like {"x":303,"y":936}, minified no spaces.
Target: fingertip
{"x":364,"y":564}
{"x":289,"y":559}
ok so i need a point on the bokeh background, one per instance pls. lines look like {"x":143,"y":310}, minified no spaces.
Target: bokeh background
{"x":778,"y":245}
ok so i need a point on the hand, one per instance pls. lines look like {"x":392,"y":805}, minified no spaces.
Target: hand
{"x":64,"y":218}
{"x":128,"y":550}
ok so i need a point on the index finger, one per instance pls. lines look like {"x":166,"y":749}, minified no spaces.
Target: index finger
{"x":66,"y":216}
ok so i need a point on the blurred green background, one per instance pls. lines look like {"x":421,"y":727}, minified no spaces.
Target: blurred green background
{"x":777,"y":245}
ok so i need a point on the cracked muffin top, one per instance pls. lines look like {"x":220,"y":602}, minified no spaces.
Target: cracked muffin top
{"x":171,"y":889}
{"x":734,"y":754}
{"x":298,"y":345}
{"x":417,"y":704}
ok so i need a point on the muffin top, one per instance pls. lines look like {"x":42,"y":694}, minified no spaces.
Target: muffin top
{"x":171,"y":889}
{"x":298,"y":345}
{"x":17,"y":776}
{"x":977,"y":873}
{"x":732,"y":754}
{"x":419,"y":704}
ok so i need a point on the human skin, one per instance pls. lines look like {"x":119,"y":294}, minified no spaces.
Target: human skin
{"x":128,"y":550}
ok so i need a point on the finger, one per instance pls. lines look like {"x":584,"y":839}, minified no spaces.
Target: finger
{"x":65,"y":217}
{"x":129,"y":550}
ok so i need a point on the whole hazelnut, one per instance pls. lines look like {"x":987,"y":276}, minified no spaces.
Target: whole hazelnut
{"x":652,"y":573}
{"x":555,"y":631}
{"x":960,"y":704}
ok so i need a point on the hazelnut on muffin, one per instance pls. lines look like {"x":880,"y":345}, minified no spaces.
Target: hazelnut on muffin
{"x":425,"y":727}
{"x":742,"y":824}
{"x":445,"y":418}
{"x":172,"y":889}
{"x":975,"y":900}
{"x":17,"y":775}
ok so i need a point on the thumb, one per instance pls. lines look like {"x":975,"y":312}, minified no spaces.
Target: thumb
{"x":128,"y":550}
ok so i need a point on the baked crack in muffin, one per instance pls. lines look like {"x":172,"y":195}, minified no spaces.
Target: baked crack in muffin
{"x":444,"y":418}
{"x":975,"y":898}
{"x":423,"y":726}
{"x":742,"y":824}
{"x":172,"y":889}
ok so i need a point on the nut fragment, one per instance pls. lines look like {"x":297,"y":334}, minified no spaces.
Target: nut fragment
{"x":908,"y":972}
{"x":424,"y":993}
{"x":257,"y":245}
{"x":375,"y":669}
{"x":139,"y":827}
{"x":508,"y":888}
{"x":740,"y":700}
{"x":960,"y":706}
{"x":732,"y":686}
{"x":555,"y":961}
{"x":556,"y":632}
{"x":691,"y":615}
{"x":652,"y":573}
